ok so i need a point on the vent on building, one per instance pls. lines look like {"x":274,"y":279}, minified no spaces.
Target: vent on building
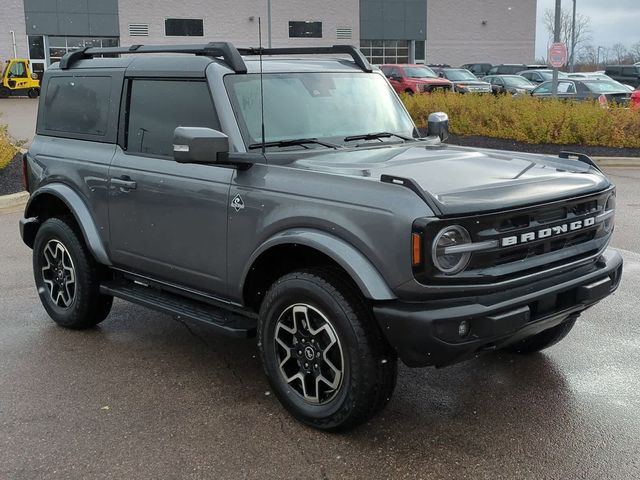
{"x":139,"y":29}
{"x":343,"y":32}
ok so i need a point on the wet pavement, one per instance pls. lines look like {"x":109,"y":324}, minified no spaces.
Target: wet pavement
{"x":144,"y":396}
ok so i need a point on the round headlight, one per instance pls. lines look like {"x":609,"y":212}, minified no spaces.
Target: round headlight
{"x":444,"y":254}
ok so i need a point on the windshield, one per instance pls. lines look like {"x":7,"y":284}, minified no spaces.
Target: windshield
{"x":603,"y":86}
{"x":548,"y":74}
{"x":316,"y":105}
{"x":419,"y":72}
{"x":459,"y":75}
{"x":517,"y":82}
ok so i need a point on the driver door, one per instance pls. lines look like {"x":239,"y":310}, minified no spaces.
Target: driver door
{"x":168,"y":220}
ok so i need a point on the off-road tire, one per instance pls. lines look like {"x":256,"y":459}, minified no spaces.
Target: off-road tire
{"x":88,"y":306}
{"x":542,"y":340}
{"x":370,"y":364}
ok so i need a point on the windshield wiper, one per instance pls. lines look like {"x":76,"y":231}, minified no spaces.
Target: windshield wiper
{"x":293,"y":142}
{"x":376,"y":136}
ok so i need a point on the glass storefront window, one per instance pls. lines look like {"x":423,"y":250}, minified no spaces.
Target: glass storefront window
{"x":385,"y":51}
{"x":59,"y":46}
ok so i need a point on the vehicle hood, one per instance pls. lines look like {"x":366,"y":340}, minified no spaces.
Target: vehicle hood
{"x":429,"y":81}
{"x":472,"y":83}
{"x":461,"y":180}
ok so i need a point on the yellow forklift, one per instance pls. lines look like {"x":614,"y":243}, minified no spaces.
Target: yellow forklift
{"x":18,"y":79}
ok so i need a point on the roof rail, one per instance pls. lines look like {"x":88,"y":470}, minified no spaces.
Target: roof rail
{"x":226,"y":50}
{"x":230,"y":54}
{"x":356,"y":54}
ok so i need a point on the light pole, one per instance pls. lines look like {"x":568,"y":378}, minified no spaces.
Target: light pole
{"x":269,"y":23}
{"x":556,"y":39}
{"x":598,"y":57}
{"x":573,"y":39}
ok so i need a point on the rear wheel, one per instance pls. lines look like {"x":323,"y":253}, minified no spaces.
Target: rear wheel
{"x":544,"y":339}
{"x":323,"y":354}
{"x":34,"y":93}
{"x":67,"y":277}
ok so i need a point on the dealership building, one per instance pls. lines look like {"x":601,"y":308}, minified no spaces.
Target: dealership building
{"x":388,"y":31}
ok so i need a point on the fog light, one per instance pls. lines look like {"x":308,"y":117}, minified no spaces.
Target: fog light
{"x":463,"y":328}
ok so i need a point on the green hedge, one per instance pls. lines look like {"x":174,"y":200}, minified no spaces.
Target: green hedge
{"x":7,"y":150}
{"x":531,"y":120}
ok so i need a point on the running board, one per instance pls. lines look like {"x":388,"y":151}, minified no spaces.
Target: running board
{"x":225,"y":322}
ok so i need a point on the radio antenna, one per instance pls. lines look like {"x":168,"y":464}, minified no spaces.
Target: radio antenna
{"x":261,"y":85}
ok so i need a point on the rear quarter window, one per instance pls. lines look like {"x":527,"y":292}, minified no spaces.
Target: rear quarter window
{"x":77,"y":105}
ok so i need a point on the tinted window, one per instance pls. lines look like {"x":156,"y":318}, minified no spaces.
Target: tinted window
{"x":630,"y":71}
{"x":305,"y":29}
{"x":613,"y":71}
{"x":77,"y":105}
{"x":36,"y":47}
{"x":157,"y":107}
{"x":183,"y":27}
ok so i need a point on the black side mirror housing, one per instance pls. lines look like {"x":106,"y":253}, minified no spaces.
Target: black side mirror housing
{"x":200,"y":145}
{"x":438,"y":125}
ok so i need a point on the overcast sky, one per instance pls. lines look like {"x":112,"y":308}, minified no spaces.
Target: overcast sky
{"x":612,"y":21}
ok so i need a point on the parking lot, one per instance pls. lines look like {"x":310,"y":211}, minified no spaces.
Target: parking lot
{"x":145,"y":396}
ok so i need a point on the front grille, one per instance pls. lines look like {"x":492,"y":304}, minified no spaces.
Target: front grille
{"x":555,"y":242}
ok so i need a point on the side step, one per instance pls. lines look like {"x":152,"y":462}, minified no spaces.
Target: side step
{"x":226,"y":322}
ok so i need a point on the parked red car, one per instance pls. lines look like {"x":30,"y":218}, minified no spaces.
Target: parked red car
{"x":414,"y":79}
{"x":635,"y":100}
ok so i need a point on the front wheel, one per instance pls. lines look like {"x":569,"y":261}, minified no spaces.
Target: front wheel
{"x":544,"y":339}
{"x":67,"y":277}
{"x":323,"y":354}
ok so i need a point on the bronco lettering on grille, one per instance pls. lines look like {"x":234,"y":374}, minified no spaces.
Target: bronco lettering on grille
{"x":547,"y":232}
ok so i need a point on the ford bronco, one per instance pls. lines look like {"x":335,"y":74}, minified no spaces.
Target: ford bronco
{"x":287,"y":194}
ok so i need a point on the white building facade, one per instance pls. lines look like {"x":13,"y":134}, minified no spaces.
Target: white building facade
{"x":388,"y":31}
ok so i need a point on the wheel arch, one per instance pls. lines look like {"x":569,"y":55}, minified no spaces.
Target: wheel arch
{"x":290,"y":250}
{"x":58,"y":199}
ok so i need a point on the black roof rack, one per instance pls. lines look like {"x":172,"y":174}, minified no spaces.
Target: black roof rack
{"x":231,"y":55}
{"x":356,"y":54}
{"x":225,"y":50}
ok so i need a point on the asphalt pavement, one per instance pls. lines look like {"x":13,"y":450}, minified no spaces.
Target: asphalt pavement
{"x":145,"y":396}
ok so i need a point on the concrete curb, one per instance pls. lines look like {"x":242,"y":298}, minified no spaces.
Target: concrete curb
{"x":628,"y":162}
{"x":14,"y":200}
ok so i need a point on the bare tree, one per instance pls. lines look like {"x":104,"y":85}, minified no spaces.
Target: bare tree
{"x":619,"y":53}
{"x":588,"y":56}
{"x":634,"y":51}
{"x":582,"y":31}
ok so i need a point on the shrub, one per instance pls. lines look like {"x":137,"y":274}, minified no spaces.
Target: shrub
{"x":531,"y":120}
{"x":7,"y":150}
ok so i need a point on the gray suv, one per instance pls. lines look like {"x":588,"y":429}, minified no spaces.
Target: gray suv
{"x":294,"y":199}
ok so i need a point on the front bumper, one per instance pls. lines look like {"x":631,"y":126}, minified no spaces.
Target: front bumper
{"x":426,"y":333}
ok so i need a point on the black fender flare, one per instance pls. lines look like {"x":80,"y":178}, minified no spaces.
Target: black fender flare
{"x":78,"y":208}
{"x":368,"y":279}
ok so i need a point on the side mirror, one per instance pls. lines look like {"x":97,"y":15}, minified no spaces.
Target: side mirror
{"x":199,"y":145}
{"x":438,"y":125}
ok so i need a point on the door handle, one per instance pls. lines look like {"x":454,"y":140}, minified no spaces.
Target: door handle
{"x":125,"y":183}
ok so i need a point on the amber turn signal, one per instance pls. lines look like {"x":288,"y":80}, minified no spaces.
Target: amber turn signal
{"x":416,"y":249}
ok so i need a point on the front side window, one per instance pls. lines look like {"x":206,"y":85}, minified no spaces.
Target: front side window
{"x":305,"y":29}
{"x":157,"y":107}
{"x":316,"y":105}
{"x":184,"y":27}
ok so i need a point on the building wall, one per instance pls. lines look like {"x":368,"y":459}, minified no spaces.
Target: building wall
{"x":393,"y":19}
{"x":231,"y":20}
{"x":95,"y":18}
{"x":12,"y":18}
{"x":456,"y":33}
